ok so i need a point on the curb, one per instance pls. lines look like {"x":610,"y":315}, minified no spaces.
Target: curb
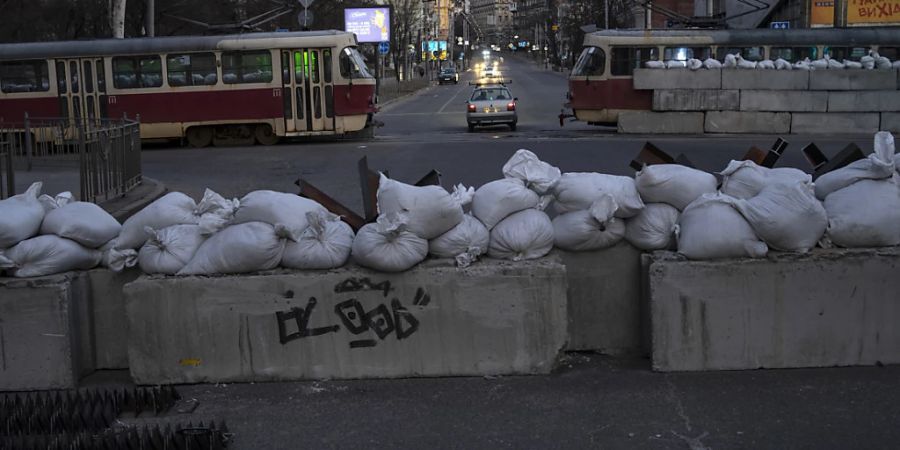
{"x":154,"y":190}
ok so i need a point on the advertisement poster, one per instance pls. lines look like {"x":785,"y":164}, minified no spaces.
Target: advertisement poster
{"x":873,"y":12}
{"x":821,"y":13}
{"x":369,"y":24}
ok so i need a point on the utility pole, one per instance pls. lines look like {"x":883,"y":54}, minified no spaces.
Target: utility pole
{"x":151,"y":18}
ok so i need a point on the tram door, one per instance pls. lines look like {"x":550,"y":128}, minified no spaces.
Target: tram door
{"x":308,"y":91}
{"x":81,"y":86}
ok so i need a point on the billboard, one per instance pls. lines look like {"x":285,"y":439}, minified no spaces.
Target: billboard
{"x":369,"y":24}
{"x":821,"y":13}
{"x":873,"y":12}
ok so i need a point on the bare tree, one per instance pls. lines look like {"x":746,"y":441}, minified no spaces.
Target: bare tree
{"x":406,"y":15}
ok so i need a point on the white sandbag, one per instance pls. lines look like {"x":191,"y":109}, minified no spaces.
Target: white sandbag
{"x":878,"y":165}
{"x":675,"y":64}
{"x":429,"y":210}
{"x":168,"y":250}
{"x":215,"y":211}
{"x":537,"y":175}
{"x":524,"y":235}
{"x":590,"y":229}
{"x":864,"y":214}
{"x":781,"y":64}
{"x":711,"y":63}
{"x":276,"y":208}
{"x":498,"y":199}
{"x":241,"y":248}
{"x":654,"y":64}
{"x":712,"y":228}
{"x":50,"y":203}
{"x":730,"y":61}
{"x":694,"y":64}
{"x":47,"y":255}
{"x":674,"y":184}
{"x":895,"y":65}
{"x":745,"y":179}
{"x":20,"y":216}
{"x":465,"y":242}
{"x":743,"y":63}
{"x":803,"y":65}
{"x":765,"y":64}
{"x":82,"y":222}
{"x":852,"y":64}
{"x":116,"y":259}
{"x":786,"y":217}
{"x":653,"y":228}
{"x":867,"y":61}
{"x":578,"y":190}
{"x":325,"y":244}
{"x":386,"y":245}
{"x":173,"y":208}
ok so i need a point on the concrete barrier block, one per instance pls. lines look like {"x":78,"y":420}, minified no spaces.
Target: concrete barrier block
{"x":677,"y":79}
{"x":784,"y":101}
{"x":780,"y":80}
{"x":110,"y":326}
{"x":604,"y":299}
{"x":890,"y":122}
{"x":695,"y":100}
{"x":747,"y":122}
{"x":826,"y":308}
{"x":495,"y":317}
{"x":660,"y":122}
{"x":852,"y":80}
{"x":864,"y":101}
{"x":45,"y":332}
{"x":834,"y":123}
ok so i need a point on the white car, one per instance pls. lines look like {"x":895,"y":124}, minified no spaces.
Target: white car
{"x":491,"y":105}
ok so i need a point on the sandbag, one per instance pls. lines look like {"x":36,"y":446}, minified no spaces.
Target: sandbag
{"x":387,"y":246}
{"x":465,"y":242}
{"x":325,"y":244}
{"x":47,"y":255}
{"x":215,"y":211}
{"x":498,"y":199}
{"x":241,"y":248}
{"x":787,"y":217}
{"x":877,"y":166}
{"x":674,"y":184}
{"x":712,"y":228}
{"x":82,"y":222}
{"x":653,"y":228}
{"x":276,"y":208}
{"x":173,"y":208}
{"x":537,"y":175}
{"x":590,"y":229}
{"x":524,"y":235}
{"x":745,"y":179}
{"x":168,"y":250}
{"x":578,"y":190}
{"x":50,"y":203}
{"x":864,"y":214}
{"x":116,"y":259}
{"x":429,"y":210}
{"x":20,"y":216}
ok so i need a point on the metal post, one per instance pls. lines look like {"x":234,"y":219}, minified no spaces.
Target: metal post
{"x":606,"y":14}
{"x":151,"y":19}
{"x":84,"y":172}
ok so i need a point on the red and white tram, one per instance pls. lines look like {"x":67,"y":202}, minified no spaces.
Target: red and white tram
{"x":209,"y":89}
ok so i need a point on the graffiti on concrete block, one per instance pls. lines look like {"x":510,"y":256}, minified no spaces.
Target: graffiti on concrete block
{"x":386,"y":319}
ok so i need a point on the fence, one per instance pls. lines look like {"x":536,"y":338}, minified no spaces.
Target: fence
{"x":7,"y":172}
{"x":106,"y":152}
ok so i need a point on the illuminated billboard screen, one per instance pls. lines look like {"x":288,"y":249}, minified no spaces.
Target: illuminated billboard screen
{"x":369,"y":24}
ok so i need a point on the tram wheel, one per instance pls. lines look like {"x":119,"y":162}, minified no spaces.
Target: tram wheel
{"x":265,"y":135}
{"x":199,"y":137}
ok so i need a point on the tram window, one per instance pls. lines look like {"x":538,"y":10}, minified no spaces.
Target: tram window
{"x":326,"y":64}
{"x":314,"y":66}
{"x":686,"y":53}
{"x":748,"y":53}
{"x":848,"y":53}
{"x":24,"y":76}
{"x":246,"y":67}
{"x":352,"y":64}
{"x":317,"y":102}
{"x":329,"y":101}
{"x":131,"y":72}
{"x":592,"y":62}
{"x":892,"y":53}
{"x":300,"y":105}
{"x":101,"y":77}
{"x":73,"y":76}
{"x":61,"y":77}
{"x":194,"y":69}
{"x":793,"y":54}
{"x":88,"y":78}
{"x":300,"y":66}
{"x":626,"y":59}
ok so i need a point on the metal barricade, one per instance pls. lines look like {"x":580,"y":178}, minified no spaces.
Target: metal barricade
{"x":7,"y":171}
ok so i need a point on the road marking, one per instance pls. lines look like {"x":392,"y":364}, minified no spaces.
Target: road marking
{"x":441,"y":111}
{"x":419,"y":113}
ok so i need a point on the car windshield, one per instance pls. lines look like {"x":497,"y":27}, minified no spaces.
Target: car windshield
{"x":447,"y":71}
{"x":491,"y":94}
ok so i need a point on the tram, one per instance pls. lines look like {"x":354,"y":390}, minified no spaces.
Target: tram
{"x":600,"y":84}
{"x":206,"y":89}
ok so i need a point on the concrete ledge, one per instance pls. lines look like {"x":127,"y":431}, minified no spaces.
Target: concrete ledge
{"x":864,"y":101}
{"x":677,"y":79}
{"x":695,"y":100}
{"x":827,"y":308}
{"x":784,"y":101}
{"x":890,"y":122}
{"x":604,"y":299}
{"x":765,"y":79}
{"x":135,"y":200}
{"x":660,"y":122}
{"x":850,"y":80}
{"x":45,"y":332}
{"x":834,"y":123}
{"x":495,"y":317}
{"x":110,"y":327}
{"x":747,"y":122}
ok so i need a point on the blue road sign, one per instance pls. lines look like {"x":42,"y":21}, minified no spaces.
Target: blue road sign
{"x":384,"y":47}
{"x":780,"y":25}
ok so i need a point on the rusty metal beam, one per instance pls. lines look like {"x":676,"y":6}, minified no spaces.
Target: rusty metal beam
{"x":432,"y":178}
{"x":368,"y":182}
{"x":650,"y":155}
{"x":313,"y":193}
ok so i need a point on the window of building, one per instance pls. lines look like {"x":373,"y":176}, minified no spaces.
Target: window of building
{"x":24,"y":76}
{"x":193,"y":69}
{"x":131,"y":72}
{"x":626,"y":59}
{"x":246,"y":67}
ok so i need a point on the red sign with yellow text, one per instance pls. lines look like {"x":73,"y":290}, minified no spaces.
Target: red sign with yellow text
{"x":870,"y":12}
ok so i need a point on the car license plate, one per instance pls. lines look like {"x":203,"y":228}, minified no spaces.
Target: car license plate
{"x":489,"y":110}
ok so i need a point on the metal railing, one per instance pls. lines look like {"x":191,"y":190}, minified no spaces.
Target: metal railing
{"x":106,"y":152}
{"x":7,"y":171}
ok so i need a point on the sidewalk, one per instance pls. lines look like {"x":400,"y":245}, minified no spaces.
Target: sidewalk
{"x":390,"y":89}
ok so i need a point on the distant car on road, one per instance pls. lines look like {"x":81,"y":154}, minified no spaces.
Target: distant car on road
{"x":491,"y":104}
{"x":448,"y":75}
{"x":488,"y":71}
